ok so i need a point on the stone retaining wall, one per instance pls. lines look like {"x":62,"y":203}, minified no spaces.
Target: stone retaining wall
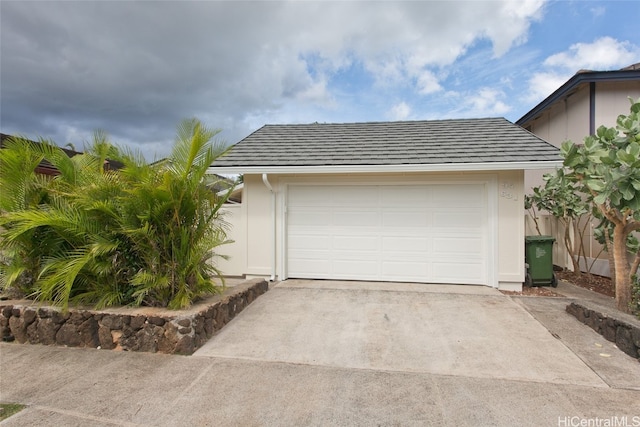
{"x":619,"y":328}
{"x":130,"y":329}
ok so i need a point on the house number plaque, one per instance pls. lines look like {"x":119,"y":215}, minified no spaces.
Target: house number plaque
{"x":507,"y":191}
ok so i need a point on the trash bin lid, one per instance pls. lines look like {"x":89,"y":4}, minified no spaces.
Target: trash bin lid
{"x":539,"y":239}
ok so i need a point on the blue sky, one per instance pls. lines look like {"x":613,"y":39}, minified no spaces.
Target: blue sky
{"x":135,"y":69}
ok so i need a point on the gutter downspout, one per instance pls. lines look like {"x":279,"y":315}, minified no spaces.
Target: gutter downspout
{"x":265,"y":180}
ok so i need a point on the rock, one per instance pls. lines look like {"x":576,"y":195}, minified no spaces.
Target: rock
{"x":184,"y":331}
{"x":68,"y":335}
{"x":609,"y":329}
{"x":169,"y":339}
{"x":105,"y":338}
{"x":29,"y":315}
{"x":211,"y":312}
{"x":47,"y":330}
{"x":6,"y":311}
{"x":209,"y":326}
{"x":112,"y":321}
{"x":198,"y":323}
{"x":623,"y":340}
{"x":115,"y":337}
{"x":18,"y":329}
{"x":184,"y":322}
{"x":635,"y":336}
{"x":155,"y":320}
{"x":148,"y":338}
{"x":137,"y":322}
{"x":222,"y":316}
{"x":88,"y":331}
{"x":184,"y":345}
{"x":76,"y":318}
{"x":145,"y":339}
{"x":32,"y":333}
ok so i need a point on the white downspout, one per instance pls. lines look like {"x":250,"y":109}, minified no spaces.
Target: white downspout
{"x":265,"y":180}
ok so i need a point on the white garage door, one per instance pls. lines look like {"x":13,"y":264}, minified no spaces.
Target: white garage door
{"x":409,"y":233}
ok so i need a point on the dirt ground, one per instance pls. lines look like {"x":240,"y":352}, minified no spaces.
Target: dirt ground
{"x":593,"y":282}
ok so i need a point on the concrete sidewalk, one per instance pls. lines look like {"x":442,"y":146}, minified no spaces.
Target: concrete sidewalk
{"x":86,"y":387}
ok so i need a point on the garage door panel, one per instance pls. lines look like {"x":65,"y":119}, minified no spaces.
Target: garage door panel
{"x":406,"y":244}
{"x":309,"y":218}
{"x":316,"y":198}
{"x":470,"y":273}
{"x":458,"y":220}
{"x":309,"y":241}
{"x":312,"y":268}
{"x":396,"y":195}
{"x":355,"y":243}
{"x":355,"y":218}
{"x":459,"y":246}
{"x":416,"y":270}
{"x":404,"y":219}
{"x":421,"y":233}
{"x":355,"y":196}
{"x":355,"y":268}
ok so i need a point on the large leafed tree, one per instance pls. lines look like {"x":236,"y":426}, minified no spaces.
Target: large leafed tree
{"x":607,"y":167}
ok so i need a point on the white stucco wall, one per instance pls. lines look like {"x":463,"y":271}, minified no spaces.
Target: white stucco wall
{"x":235,"y":265}
{"x":507,"y":189}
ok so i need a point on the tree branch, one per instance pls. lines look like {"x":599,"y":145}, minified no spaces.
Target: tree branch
{"x":635,"y":265}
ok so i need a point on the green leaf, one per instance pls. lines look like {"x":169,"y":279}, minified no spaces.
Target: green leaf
{"x":596,"y":185}
{"x":600,"y":198}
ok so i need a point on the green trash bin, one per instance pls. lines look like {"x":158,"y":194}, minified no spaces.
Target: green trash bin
{"x":539,"y":258}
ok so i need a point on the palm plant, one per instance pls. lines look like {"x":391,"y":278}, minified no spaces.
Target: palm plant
{"x":142,"y":235}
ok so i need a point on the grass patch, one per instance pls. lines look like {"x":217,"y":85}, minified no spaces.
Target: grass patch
{"x":8,"y":409}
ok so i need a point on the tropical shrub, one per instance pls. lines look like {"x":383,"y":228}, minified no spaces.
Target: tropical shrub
{"x":559,"y":197}
{"x":607,"y":170}
{"x":144,"y":234}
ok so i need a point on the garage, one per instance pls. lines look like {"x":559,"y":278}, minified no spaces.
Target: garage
{"x":431,"y":233}
{"x":429,"y":201}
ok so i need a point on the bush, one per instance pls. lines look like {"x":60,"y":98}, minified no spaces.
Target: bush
{"x":144,"y":234}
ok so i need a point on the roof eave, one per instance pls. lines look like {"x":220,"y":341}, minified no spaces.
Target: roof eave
{"x":439,"y":167}
{"x":577,"y":79}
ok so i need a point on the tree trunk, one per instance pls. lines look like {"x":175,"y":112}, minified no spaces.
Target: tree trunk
{"x":609,"y":245}
{"x":622,"y":269}
{"x":568,"y":244}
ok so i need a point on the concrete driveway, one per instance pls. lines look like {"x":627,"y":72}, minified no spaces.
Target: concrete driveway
{"x":345,"y":354}
{"x":471,"y":331}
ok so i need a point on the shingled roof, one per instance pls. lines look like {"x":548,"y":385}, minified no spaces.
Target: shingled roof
{"x":494,"y":143}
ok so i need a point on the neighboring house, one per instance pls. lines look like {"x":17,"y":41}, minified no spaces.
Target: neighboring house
{"x":422,"y":201}
{"x":575,"y":110}
{"x":46,"y":168}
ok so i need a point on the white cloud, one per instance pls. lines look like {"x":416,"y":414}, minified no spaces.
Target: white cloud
{"x":400,"y":111}
{"x":136,"y":68}
{"x":428,"y":83}
{"x":486,"y":102}
{"x":544,"y":84}
{"x":518,"y":15}
{"x":603,"y":54}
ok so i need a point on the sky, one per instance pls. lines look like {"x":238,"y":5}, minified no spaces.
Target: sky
{"x":135,"y":69}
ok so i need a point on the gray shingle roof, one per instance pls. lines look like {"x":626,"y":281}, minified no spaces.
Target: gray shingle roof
{"x":389,"y":143}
